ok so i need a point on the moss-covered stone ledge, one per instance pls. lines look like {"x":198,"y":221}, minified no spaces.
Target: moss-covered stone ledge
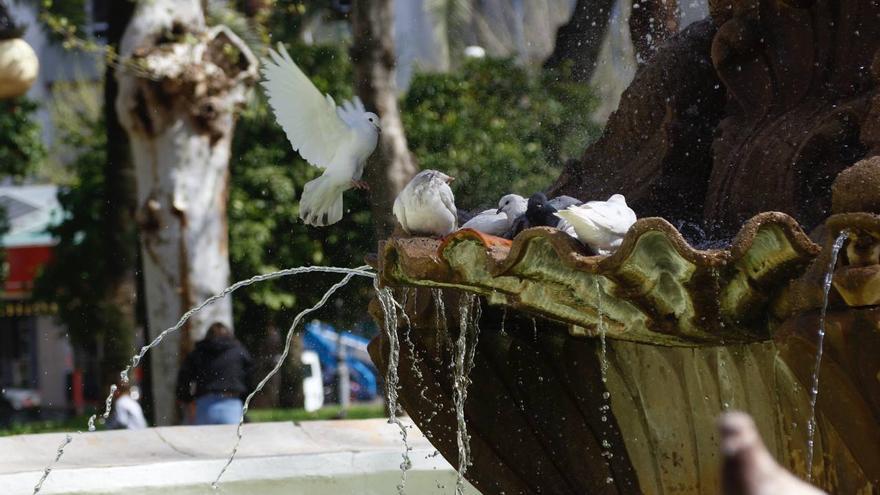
{"x":655,"y":289}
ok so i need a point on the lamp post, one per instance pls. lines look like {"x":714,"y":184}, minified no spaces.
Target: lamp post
{"x":18,"y":61}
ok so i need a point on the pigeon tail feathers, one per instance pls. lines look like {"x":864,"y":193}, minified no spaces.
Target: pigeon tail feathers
{"x":321,"y":203}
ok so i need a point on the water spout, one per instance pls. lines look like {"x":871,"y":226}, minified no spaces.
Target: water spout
{"x":814,"y":389}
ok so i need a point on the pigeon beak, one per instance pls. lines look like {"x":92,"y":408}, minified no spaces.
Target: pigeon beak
{"x":449,"y":179}
{"x":499,"y":210}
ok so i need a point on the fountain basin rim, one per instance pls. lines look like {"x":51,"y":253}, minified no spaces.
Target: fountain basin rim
{"x":575,"y":255}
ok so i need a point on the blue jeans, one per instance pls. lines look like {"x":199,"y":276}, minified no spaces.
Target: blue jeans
{"x":215,"y":409}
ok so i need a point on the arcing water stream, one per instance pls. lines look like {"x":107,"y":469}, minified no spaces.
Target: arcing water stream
{"x":814,"y":389}
{"x":281,"y":360}
{"x":136,"y":359}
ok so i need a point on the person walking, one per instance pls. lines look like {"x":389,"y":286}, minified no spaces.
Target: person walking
{"x":216,"y":375}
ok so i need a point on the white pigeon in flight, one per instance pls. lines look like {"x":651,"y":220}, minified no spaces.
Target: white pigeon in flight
{"x":600,"y":224}
{"x":426,"y":205}
{"x":336,"y":139}
{"x":498,"y":222}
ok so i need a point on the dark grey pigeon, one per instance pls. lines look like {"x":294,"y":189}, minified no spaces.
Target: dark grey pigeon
{"x":539,"y":213}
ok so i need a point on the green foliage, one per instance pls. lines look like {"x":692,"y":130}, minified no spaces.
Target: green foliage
{"x":21,"y":145}
{"x":289,"y":17}
{"x":497,"y":128}
{"x":332,"y":411}
{"x":79,"y":288}
{"x":76,"y":423}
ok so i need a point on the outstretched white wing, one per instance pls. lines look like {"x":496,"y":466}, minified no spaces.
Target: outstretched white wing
{"x":312,"y":122}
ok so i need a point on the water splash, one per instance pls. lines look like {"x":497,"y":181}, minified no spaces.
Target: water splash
{"x":465,"y":354}
{"x":58,"y":455}
{"x":392,"y":379}
{"x":814,"y":389}
{"x":283,"y":359}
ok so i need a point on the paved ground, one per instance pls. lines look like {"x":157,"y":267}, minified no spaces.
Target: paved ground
{"x":314,"y":458}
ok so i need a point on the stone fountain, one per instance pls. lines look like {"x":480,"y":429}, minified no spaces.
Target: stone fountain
{"x":601,"y":374}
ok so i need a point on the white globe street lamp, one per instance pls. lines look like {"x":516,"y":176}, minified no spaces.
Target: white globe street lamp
{"x":19,"y":64}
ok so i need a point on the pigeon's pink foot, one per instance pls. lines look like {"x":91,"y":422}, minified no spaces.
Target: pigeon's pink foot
{"x":360,"y":184}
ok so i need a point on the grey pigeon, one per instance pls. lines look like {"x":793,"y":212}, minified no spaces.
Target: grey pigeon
{"x":498,"y":222}
{"x":426,"y":206}
{"x":747,"y":466}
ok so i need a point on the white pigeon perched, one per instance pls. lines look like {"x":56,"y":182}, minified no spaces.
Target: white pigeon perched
{"x":747,"y":467}
{"x":336,"y":139}
{"x":426,"y":205}
{"x":498,"y":222}
{"x":600,"y":224}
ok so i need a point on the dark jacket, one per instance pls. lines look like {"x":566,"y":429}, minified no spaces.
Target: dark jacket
{"x":219,"y":366}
